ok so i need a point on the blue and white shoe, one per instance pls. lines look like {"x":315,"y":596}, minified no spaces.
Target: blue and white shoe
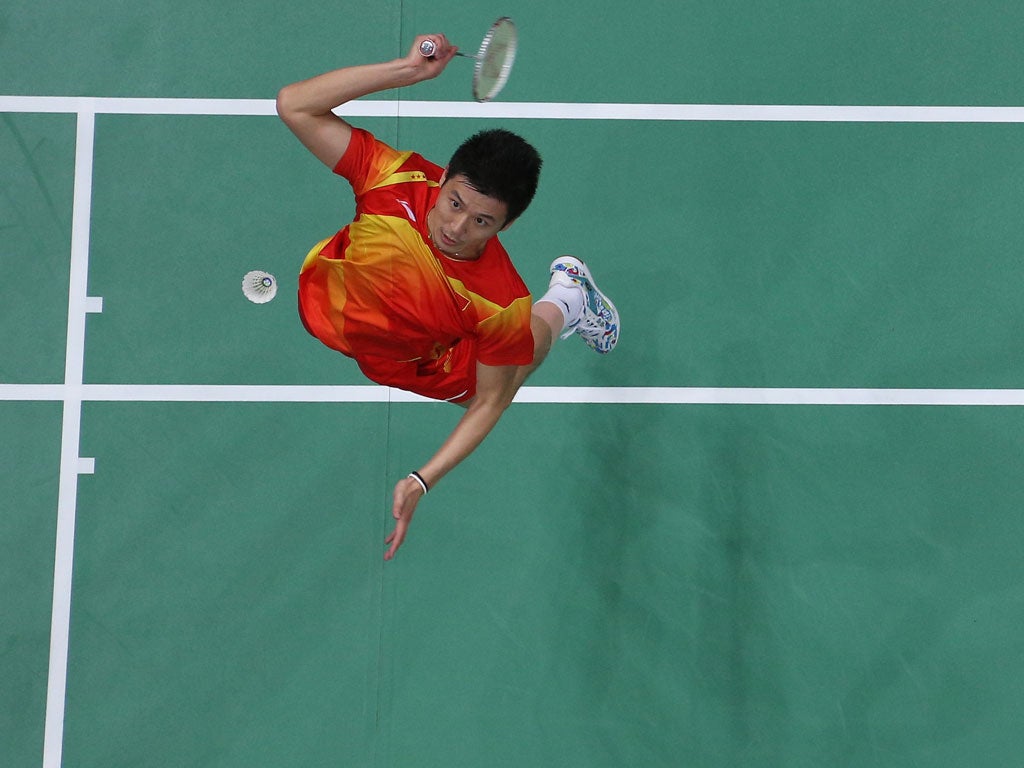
{"x":598,"y":323}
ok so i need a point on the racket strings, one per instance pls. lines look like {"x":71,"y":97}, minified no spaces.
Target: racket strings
{"x":495,"y":59}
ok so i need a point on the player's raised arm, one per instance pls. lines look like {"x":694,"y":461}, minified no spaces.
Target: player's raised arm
{"x":306,"y":106}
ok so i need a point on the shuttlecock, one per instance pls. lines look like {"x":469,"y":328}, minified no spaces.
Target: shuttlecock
{"x":259,"y":287}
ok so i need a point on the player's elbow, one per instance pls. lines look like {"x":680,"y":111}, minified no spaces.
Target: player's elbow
{"x":287,"y":109}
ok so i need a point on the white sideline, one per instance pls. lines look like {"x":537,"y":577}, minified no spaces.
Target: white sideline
{"x":71,"y":464}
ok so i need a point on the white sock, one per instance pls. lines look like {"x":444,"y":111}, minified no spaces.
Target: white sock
{"x":567,"y":298}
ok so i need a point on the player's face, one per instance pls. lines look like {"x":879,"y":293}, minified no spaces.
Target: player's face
{"x":463,"y":220}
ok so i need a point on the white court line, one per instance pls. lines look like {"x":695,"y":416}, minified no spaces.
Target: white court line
{"x":79,"y":304}
{"x":227,"y":393}
{"x":532,"y":110}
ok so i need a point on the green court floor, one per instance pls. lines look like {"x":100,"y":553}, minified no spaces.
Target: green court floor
{"x":194,"y":493}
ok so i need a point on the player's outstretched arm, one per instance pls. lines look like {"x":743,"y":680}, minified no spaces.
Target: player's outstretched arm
{"x":495,"y":388}
{"x":306,"y":107}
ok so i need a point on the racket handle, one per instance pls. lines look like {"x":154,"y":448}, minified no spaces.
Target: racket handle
{"x":428,"y":48}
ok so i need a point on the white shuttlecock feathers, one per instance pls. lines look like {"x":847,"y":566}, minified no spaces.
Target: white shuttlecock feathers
{"x":259,"y":287}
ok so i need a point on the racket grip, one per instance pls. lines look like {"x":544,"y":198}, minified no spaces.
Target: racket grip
{"x":428,"y":48}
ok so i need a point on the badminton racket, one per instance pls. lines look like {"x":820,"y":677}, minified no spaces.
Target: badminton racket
{"x":493,"y":60}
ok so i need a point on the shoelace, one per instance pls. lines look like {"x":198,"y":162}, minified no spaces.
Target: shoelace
{"x":593,"y":325}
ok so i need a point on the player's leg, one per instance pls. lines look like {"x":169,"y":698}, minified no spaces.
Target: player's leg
{"x":547,"y":322}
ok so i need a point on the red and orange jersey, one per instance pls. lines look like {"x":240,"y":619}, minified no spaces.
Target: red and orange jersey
{"x":379,"y":290}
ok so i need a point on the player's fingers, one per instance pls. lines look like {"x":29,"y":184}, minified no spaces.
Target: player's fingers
{"x":443,"y":46}
{"x":395,"y":540}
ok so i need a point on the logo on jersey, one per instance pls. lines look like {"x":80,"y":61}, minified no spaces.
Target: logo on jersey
{"x":408,"y":210}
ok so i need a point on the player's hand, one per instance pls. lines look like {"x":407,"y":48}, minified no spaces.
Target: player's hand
{"x":407,"y":495}
{"x":434,"y":64}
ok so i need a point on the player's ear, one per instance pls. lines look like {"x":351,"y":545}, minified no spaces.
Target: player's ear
{"x":444,"y":178}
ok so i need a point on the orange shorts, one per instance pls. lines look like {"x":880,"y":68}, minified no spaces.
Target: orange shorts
{"x":452,"y":377}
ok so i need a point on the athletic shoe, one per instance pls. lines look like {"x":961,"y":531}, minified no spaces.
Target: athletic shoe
{"x":598,"y":323}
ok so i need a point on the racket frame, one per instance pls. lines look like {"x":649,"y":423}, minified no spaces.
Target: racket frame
{"x":504,"y":23}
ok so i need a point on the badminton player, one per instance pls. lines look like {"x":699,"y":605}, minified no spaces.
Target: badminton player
{"x":418,"y":290}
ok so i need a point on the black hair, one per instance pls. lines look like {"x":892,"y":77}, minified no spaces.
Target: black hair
{"x":499,"y":164}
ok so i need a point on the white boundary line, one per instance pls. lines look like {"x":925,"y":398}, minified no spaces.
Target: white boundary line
{"x":531,"y":110}
{"x":230,"y":393}
{"x":71,"y":464}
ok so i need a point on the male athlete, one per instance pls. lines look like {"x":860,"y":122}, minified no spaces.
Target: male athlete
{"x":418,"y":289}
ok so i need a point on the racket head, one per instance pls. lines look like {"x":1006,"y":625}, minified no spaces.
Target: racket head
{"x":494,"y":59}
